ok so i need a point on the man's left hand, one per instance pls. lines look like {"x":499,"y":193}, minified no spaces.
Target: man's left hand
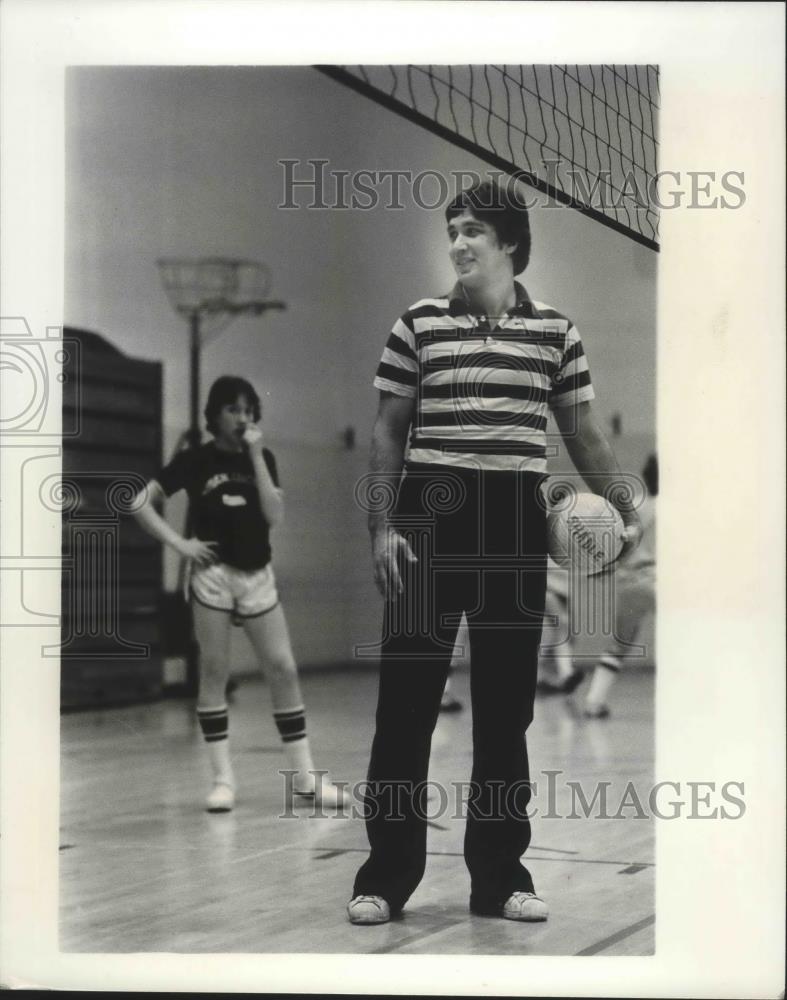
{"x":632,"y":535}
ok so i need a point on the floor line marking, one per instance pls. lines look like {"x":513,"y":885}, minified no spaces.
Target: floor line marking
{"x":528,"y":857}
{"x":260,"y":854}
{"x":607,"y":942}
{"x":233,"y":861}
{"x":413,"y":938}
{"x":554,"y":850}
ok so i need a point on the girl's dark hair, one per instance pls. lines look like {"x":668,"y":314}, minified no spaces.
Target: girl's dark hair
{"x":500,"y":209}
{"x":225,"y":391}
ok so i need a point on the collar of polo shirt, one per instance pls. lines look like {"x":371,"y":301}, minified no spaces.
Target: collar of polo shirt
{"x":458,"y":304}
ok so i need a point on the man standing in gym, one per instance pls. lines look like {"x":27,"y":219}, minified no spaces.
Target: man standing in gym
{"x":469,"y":376}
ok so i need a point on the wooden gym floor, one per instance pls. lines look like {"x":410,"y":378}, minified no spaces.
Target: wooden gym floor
{"x":144,"y":869}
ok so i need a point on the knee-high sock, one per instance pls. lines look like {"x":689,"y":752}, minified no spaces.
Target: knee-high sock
{"x":291,"y":723}
{"x":214,"y":723}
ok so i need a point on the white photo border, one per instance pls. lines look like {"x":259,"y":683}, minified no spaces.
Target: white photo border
{"x":720,"y":691}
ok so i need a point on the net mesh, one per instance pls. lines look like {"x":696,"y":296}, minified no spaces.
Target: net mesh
{"x":584,"y":135}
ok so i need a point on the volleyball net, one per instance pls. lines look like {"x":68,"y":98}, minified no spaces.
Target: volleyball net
{"x":585,"y":136}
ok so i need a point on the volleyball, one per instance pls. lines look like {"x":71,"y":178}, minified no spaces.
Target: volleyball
{"x":587,"y":536}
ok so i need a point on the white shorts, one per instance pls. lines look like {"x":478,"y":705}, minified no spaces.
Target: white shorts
{"x":245,"y":593}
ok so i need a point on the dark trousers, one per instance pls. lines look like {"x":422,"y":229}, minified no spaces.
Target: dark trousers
{"x":480,"y":540}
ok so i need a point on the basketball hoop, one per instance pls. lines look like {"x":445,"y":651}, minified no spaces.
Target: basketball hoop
{"x":208,"y":293}
{"x":217,"y":287}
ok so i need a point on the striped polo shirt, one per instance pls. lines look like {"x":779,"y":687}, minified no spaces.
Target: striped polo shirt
{"x":483,"y":384}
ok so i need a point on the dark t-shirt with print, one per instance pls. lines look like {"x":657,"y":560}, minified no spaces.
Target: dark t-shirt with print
{"x":225,"y":504}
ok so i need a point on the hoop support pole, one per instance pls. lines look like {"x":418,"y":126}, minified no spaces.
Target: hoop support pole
{"x":194,"y":348}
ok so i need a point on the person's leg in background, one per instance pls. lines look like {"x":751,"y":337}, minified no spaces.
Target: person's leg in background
{"x":635,"y":597}
{"x":270,"y":639}
{"x":556,"y":671}
{"x":449,"y":702}
{"x":211,"y":630}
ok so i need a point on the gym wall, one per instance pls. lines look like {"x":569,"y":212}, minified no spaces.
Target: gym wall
{"x":184,"y":161}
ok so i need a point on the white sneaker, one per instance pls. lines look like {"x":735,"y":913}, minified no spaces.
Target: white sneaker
{"x":368,"y":910}
{"x":321,"y":792}
{"x":525,"y":906}
{"x":221,"y":798}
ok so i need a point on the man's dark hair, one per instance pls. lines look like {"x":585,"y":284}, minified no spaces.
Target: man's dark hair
{"x":650,"y":475}
{"x":226,"y":390}
{"x":500,"y":209}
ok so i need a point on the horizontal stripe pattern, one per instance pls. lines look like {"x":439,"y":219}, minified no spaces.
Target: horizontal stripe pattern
{"x":475,"y":391}
{"x":483,"y":387}
{"x":499,"y":419}
{"x":214,"y":723}
{"x":481,"y":446}
{"x":291,"y":724}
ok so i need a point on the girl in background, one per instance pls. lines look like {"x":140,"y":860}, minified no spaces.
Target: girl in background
{"x":233,"y":489}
